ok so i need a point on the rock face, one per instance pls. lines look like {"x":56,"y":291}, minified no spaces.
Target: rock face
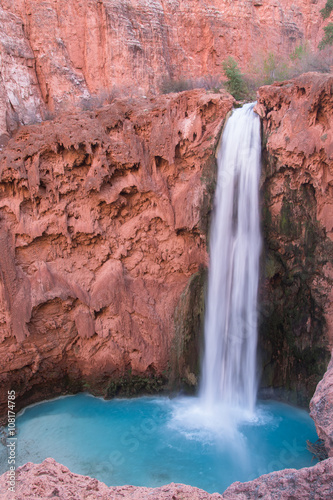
{"x":321,"y":409}
{"x":103,"y":223}
{"x":52,"y":480}
{"x":296,"y":333}
{"x":20,"y":97}
{"x":311,"y":482}
{"x":56,"y":53}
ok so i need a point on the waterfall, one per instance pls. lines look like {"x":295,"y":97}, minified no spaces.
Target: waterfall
{"x":229,"y":366}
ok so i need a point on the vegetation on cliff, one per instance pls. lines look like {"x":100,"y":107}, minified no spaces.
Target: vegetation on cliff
{"x":328,"y":37}
{"x":235,"y":83}
{"x":265,"y":68}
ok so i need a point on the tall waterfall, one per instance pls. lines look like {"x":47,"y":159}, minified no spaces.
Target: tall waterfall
{"x":229,"y":367}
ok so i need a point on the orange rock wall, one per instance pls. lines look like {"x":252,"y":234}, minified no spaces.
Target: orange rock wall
{"x":100,"y":231}
{"x":56,"y":53}
{"x":297,"y":183}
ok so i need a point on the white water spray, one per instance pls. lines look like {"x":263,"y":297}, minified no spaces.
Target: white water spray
{"x":229,"y":367}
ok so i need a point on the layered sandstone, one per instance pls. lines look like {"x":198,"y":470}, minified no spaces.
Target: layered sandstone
{"x":56,"y":53}
{"x":52,"y":480}
{"x":297,"y":184}
{"x":102,"y":226}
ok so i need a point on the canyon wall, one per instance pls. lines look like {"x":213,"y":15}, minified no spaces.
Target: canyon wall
{"x":103,"y":222}
{"x":56,"y":54}
{"x":296,"y":311}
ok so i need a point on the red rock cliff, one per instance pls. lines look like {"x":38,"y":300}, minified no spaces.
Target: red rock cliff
{"x":55,"y":53}
{"x":297,"y":183}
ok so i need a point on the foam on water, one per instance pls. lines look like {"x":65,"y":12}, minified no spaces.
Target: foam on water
{"x":209,"y":424}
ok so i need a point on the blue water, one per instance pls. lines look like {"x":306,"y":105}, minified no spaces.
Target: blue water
{"x":152,"y":441}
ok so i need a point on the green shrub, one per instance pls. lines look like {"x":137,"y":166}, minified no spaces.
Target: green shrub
{"x":235,"y":83}
{"x":271,"y":67}
{"x":325,"y":12}
{"x":328,"y":38}
{"x":300,"y":52}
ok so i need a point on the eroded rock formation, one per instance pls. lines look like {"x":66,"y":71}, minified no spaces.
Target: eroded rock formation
{"x":311,"y":482}
{"x":321,"y":409}
{"x":297,"y":185}
{"x":50,"y":479}
{"x":103,"y":222}
{"x":56,"y":53}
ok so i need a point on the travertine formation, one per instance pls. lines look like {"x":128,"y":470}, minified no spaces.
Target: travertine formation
{"x":321,"y":409}
{"x":102,"y":226}
{"x":56,"y":53}
{"x":311,"y":482}
{"x":52,"y":480}
{"x":297,"y":184}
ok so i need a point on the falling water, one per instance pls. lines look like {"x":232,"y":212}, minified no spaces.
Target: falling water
{"x":229,"y":368}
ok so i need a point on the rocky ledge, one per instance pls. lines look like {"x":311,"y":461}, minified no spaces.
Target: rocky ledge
{"x":52,"y":480}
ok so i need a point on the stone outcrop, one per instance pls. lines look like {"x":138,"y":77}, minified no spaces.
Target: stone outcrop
{"x":311,"y":482}
{"x":103,"y":223}
{"x":296,"y":333}
{"x":321,"y":409}
{"x":56,"y":54}
{"x":52,"y":480}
